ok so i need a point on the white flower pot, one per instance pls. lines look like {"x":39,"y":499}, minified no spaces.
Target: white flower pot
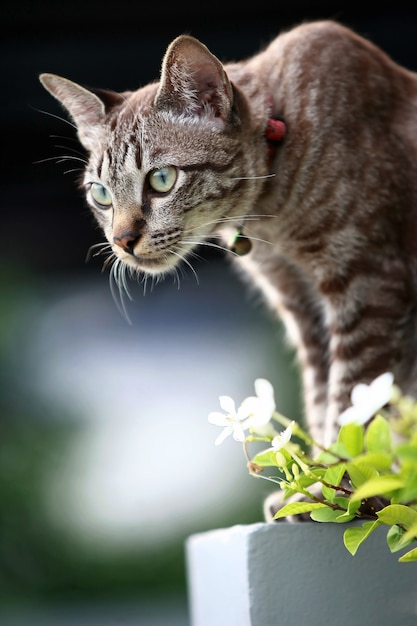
{"x":297,"y":575}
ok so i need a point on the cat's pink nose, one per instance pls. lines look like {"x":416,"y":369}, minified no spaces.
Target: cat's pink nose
{"x":127,"y":239}
{"x":127,"y":242}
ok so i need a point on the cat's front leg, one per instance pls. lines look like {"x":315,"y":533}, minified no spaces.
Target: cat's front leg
{"x":295,"y":301}
{"x":309,"y":337}
{"x":307,"y":333}
{"x":368,"y":336}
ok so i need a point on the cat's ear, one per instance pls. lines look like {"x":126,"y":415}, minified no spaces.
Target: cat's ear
{"x":85,"y":107}
{"x":193,"y":81}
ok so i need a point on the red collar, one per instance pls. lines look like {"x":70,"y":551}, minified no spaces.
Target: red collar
{"x":274,"y":133}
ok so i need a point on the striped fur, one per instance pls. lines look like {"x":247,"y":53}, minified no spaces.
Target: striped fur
{"x":334,"y":242}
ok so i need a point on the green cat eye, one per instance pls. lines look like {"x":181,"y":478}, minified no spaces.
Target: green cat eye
{"x":163,"y":179}
{"x":101,"y":196}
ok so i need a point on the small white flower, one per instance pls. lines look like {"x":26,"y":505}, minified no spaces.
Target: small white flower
{"x":281,"y":440}
{"x":232,"y":422}
{"x":368,"y":400}
{"x":260,"y":408}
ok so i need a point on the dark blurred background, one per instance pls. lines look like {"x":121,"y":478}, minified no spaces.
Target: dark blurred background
{"x":107,"y":461}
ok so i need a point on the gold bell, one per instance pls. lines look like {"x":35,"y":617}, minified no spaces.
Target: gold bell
{"x":240,"y":245}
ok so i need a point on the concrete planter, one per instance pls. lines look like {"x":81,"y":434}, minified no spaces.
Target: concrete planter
{"x":297,"y":574}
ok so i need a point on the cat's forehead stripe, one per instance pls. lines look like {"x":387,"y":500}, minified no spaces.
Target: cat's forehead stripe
{"x":138,"y":155}
{"x":123,"y":152}
{"x":124,"y":139}
{"x":100,"y":166}
{"x":109,"y":155}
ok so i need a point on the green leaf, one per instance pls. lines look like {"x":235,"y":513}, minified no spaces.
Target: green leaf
{"x":313,"y":476}
{"x":408,"y":556}
{"x":380,"y":461}
{"x":327,"y":458}
{"x":360,"y":473}
{"x":333,"y":476}
{"x":266,"y":459}
{"x":304,"y":481}
{"x":329,"y":515}
{"x":351,"y":438}
{"x":342,"y":501}
{"x":378,"y":435}
{"x":295,"y":508}
{"x":398,"y":514}
{"x":407,"y":452}
{"x":353,"y":507}
{"x":396,"y":538}
{"x":411,"y":534}
{"x":354,"y":537}
{"x":377,"y":486}
{"x":409,"y":492}
{"x":345,"y":517}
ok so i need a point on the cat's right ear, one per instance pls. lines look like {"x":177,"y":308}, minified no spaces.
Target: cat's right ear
{"x":194,"y":82}
{"x":85,"y":107}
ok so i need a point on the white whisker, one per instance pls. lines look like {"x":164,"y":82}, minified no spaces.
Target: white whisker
{"x":258,"y":239}
{"x":61,"y":159}
{"x":102,"y":247}
{"x":210,"y":244}
{"x":176,"y":278}
{"x":251,"y":238}
{"x":74,"y":169}
{"x":57,"y":117}
{"x":186,"y":261}
{"x":70,"y":157}
{"x":144,"y":279}
{"x":54,"y":158}
{"x":230,"y":219}
{"x":117,"y":279}
{"x":108,"y":262}
{"x":156,"y":279}
{"x":71,"y":148}
{"x":73,"y":139}
{"x":253,"y":177}
{"x":124,"y":272}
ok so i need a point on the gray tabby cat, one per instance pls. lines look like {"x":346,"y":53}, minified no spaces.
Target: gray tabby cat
{"x":330,"y":215}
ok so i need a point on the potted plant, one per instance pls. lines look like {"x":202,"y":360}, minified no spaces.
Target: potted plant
{"x":365,"y":488}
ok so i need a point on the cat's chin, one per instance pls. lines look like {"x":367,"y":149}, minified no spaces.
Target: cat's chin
{"x":151,"y":265}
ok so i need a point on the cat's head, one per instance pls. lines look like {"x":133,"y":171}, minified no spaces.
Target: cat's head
{"x":169,"y":163}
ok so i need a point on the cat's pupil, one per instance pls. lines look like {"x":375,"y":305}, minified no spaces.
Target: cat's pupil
{"x":101,"y":195}
{"x":162,"y":180}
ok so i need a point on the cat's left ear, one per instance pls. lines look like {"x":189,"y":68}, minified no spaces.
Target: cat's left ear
{"x":87,"y":108}
{"x":193,"y":81}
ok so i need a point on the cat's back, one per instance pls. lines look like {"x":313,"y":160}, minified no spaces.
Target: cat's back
{"x":324,"y":44}
{"x":326,"y":53}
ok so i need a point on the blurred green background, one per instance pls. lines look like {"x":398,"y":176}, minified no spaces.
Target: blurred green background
{"x":107,"y":460}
